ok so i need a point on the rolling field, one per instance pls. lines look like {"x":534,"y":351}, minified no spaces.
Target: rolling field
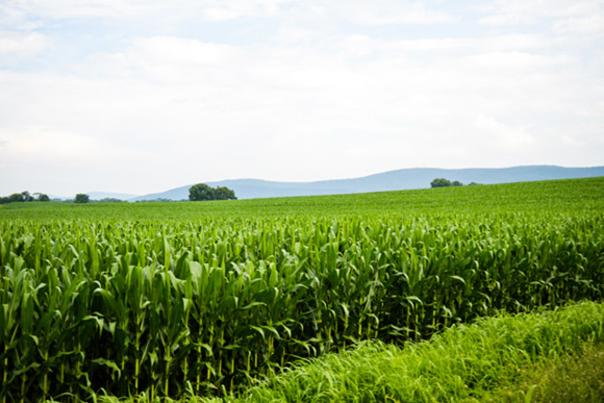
{"x":183,"y":299}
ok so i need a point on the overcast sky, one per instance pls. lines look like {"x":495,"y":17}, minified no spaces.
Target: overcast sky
{"x":139,"y":96}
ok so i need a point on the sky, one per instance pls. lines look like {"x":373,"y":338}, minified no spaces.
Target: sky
{"x":139,"y":96}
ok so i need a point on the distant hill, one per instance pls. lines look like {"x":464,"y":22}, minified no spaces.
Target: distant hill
{"x":109,"y":195}
{"x":98,"y":196}
{"x":413,"y":178}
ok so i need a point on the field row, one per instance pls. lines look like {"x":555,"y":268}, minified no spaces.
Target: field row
{"x":206,"y":306}
{"x":486,"y":361}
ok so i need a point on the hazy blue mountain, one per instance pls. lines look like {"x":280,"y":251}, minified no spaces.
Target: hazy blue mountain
{"x":109,"y":195}
{"x":413,"y":178}
{"x":97,"y":196}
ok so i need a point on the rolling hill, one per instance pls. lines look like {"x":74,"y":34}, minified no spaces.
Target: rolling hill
{"x":413,"y":178}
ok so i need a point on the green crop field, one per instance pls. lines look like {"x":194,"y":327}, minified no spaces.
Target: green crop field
{"x":203,"y":298}
{"x":497,"y":359}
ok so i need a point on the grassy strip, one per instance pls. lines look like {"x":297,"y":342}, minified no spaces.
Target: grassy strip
{"x":577,"y":377}
{"x":463,"y":363}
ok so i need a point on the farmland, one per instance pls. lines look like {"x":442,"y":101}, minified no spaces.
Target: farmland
{"x":179,"y":299}
{"x":489,"y":355}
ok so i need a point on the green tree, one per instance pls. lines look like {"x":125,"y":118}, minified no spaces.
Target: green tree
{"x":201,"y":191}
{"x":27,"y":197}
{"x":16,"y":197}
{"x":440,"y":183}
{"x":82,"y":198}
{"x":24,"y":196}
{"x":224,"y":193}
{"x":443,"y":183}
{"x":42,"y":197}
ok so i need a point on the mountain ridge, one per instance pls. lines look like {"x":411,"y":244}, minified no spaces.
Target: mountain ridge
{"x":400,"y":179}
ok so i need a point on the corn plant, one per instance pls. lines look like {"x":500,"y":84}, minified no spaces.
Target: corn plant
{"x":208,"y":304}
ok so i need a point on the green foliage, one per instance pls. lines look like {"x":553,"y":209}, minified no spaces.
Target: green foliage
{"x":574,"y":377}
{"x":464,"y":363}
{"x":202,"y":192}
{"x":442,"y":182}
{"x":224,"y":193}
{"x":43,"y":197}
{"x":174,"y":298}
{"x":539,"y":357}
{"x":81,"y":198}
{"x":15,"y":197}
{"x":24,"y":196}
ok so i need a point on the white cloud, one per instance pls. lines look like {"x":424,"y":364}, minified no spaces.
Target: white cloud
{"x":140,"y":9}
{"x":379,"y":12}
{"x":22,"y":44}
{"x":383,"y":12}
{"x":522,"y":12}
{"x":504,"y":137}
{"x":590,"y":24}
{"x":40,"y":143}
{"x":180,"y":108}
{"x":518,"y":61}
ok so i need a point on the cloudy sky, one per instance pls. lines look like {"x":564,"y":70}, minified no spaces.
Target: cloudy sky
{"x":139,"y":96}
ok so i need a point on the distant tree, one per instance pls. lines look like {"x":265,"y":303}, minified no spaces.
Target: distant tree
{"x":473,"y":184}
{"x":27,"y":197}
{"x":15,"y":197}
{"x":42,"y":197}
{"x":82,"y":198}
{"x":443,"y":183}
{"x":201,"y":191}
{"x":224,"y":193}
{"x":24,"y":196}
{"x":440,"y":183}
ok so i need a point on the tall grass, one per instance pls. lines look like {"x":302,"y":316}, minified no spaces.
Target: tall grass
{"x":464,"y":363}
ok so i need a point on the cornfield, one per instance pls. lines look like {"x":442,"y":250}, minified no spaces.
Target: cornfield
{"x":203,"y":304}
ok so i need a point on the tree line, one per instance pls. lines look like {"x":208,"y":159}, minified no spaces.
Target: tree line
{"x":24,"y":196}
{"x":443,"y":183}
{"x":197,"y":192}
